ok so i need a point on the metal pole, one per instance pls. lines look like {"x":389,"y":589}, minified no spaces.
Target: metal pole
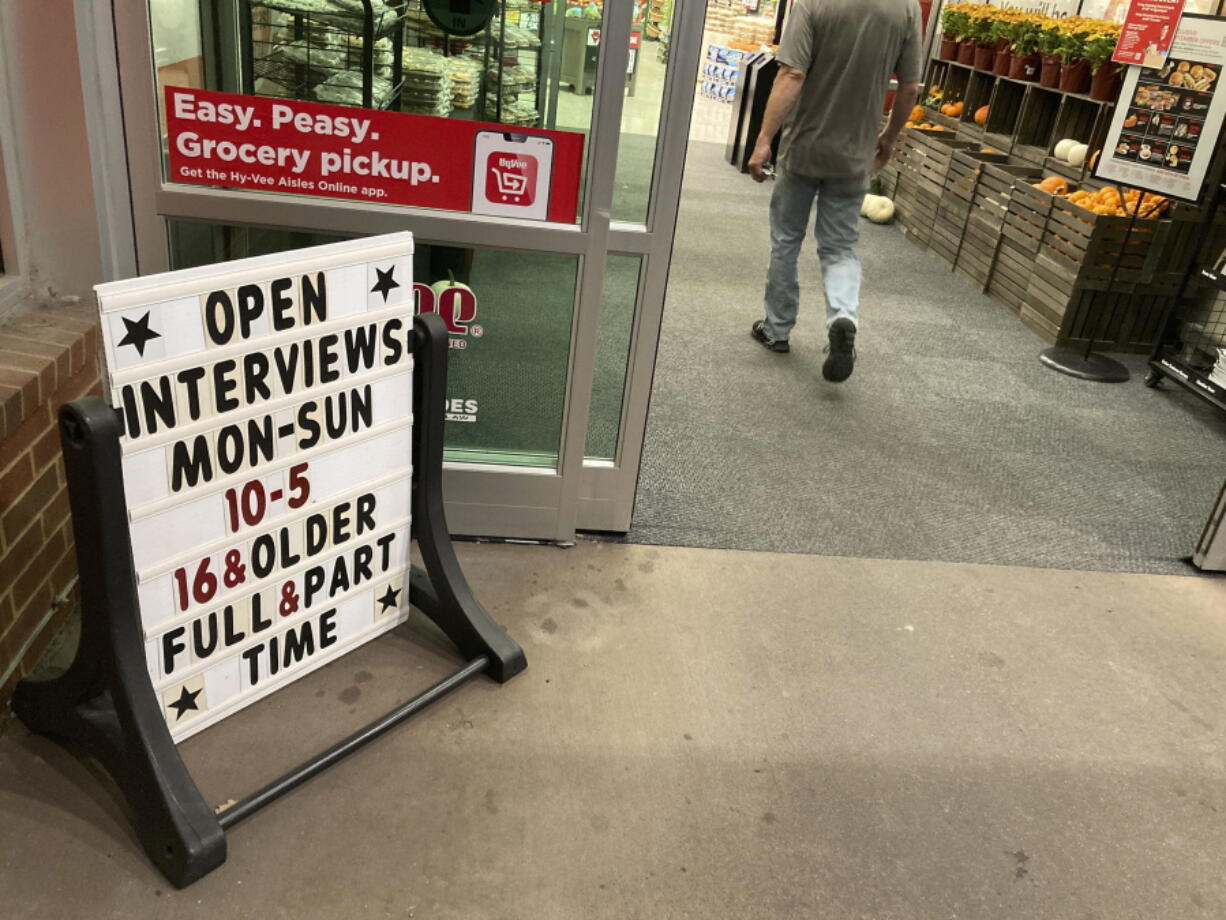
{"x":320,"y":762}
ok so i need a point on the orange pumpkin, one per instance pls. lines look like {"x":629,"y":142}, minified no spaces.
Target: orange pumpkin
{"x":917,"y":113}
{"x":959,"y":108}
{"x":1094,"y":159}
{"x":1054,"y":185}
{"x":981,"y":117}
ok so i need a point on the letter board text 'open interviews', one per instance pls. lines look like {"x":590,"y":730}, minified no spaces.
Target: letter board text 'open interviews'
{"x":267,"y":413}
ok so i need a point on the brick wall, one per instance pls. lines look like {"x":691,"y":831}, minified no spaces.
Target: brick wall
{"x":48,"y":356}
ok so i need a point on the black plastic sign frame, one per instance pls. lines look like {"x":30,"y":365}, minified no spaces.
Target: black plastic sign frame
{"x":105,"y":707}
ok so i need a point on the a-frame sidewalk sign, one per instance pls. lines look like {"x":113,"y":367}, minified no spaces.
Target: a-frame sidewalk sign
{"x":243,"y":504}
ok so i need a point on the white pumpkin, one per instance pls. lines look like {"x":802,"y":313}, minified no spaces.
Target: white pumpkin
{"x":1063,"y":148}
{"x":1077,"y":154}
{"x":877,"y":208}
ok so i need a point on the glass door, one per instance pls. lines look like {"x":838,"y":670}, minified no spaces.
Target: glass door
{"x":239,"y":128}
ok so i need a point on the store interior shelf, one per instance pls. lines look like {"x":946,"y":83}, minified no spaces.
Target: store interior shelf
{"x":381,"y":24}
{"x":1190,"y":378}
{"x":1024,"y":120}
{"x":1031,"y":84}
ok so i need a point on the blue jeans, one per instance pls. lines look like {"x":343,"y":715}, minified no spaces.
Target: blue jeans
{"x":837,"y":230}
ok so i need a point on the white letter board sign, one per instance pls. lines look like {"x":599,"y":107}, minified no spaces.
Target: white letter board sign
{"x":267,"y":454}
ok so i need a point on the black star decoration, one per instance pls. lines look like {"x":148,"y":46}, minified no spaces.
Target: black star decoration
{"x":385,"y":283}
{"x":186,"y":701}
{"x":390,"y":598}
{"x":138,"y":333}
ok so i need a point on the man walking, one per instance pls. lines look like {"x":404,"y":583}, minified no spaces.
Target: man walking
{"x":835,"y":62}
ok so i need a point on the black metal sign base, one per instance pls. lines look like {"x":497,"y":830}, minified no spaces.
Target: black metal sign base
{"x":1079,"y":364}
{"x":104,"y":705}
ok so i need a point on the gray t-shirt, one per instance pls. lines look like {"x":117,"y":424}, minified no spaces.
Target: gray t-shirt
{"x":847,"y":49}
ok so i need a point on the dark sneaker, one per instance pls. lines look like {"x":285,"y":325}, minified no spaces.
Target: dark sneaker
{"x":758,"y":331}
{"x":841,"y":352}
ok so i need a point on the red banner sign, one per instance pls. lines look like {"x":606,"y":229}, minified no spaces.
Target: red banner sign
{"x":1149,"y":31}
{"x":336,"y":151}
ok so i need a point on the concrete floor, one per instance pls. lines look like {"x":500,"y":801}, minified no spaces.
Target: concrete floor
{"x":711,"y":734}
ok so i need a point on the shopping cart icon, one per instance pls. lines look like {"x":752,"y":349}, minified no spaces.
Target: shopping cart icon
{"x":510,"y":178}
{"x":510,"y":184}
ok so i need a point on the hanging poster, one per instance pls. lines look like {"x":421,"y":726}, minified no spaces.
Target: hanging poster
{"x":1149,"y":30}
{"x":338,"y":151}
{"x":267,"y":462}
{"x":1166,"y":127}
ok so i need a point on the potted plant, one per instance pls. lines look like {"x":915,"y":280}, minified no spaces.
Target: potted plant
{"x":1105,"y":73}
{"x":955,"y":24}
{"x":1075,"y":69}
{"x":1050,"y":40}
{"x":982,"y":22}
{"x":1024,"y":62}
{"x":1002,"y":31}
{"x":968,"y":42}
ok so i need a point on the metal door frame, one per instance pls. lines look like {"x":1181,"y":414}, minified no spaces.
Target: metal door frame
{"x":543,"y":504}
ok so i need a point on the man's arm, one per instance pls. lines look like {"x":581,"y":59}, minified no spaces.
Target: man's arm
{"x":904,"y":102}
{"x":784,"y":93}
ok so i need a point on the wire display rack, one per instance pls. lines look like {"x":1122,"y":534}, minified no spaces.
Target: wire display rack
{"x":494,"y":75}
{"x":345,"y":52}
{"x":1193,"y":351}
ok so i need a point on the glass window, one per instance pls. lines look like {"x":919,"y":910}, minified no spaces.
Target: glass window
{"x":509,"y":315}
{"x":532,"y":64}
{"x":621,"y":284}
{"x":641,"y":109}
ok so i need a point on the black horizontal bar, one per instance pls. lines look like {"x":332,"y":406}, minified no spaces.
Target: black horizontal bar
{"x":1191,"y":379}
{"x":321,"y":761}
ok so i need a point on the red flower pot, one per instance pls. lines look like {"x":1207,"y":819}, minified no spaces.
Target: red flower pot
{"x":1105,"y":84}
{"x":949,"y":48}
{"x":1075,"y":76}
{"x":1049,"y":74}
{"x":966,"y":52}
{"x":1001,"y":63}
{"x":1025,"y":67}
{"x":985,"y":56}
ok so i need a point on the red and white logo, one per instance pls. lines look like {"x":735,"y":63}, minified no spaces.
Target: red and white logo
{"x":455,"y":303}
{"x":510,"y":178}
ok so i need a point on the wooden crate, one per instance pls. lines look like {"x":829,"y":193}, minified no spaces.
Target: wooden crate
{"x":916,"y":207}
{"x":993,"y":192}
{"x":932,"y":116}
{"x":1184,"y":245}
{"x":1093,"y":278}
{"x":889,"y":180}
{"x":977,"y":254}
{"x":1027,"y":218}
{"x":989,"y":204}
{"x":1010,"y":274}
{"x":1112,"y":321}
{"x":946,"y":237}
{"x":962,"y":176}
{"x":921,"y":186}
{"x":954,"y":211}
{"x":1091,"y":251}
{"x":932,"y":152}
{"x":965,"y":166}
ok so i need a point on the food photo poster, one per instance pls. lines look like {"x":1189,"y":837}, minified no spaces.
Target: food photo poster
{"x":1168,"y":121}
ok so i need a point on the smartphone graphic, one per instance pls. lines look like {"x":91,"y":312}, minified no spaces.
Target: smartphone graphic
{"x":511,"y":174}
